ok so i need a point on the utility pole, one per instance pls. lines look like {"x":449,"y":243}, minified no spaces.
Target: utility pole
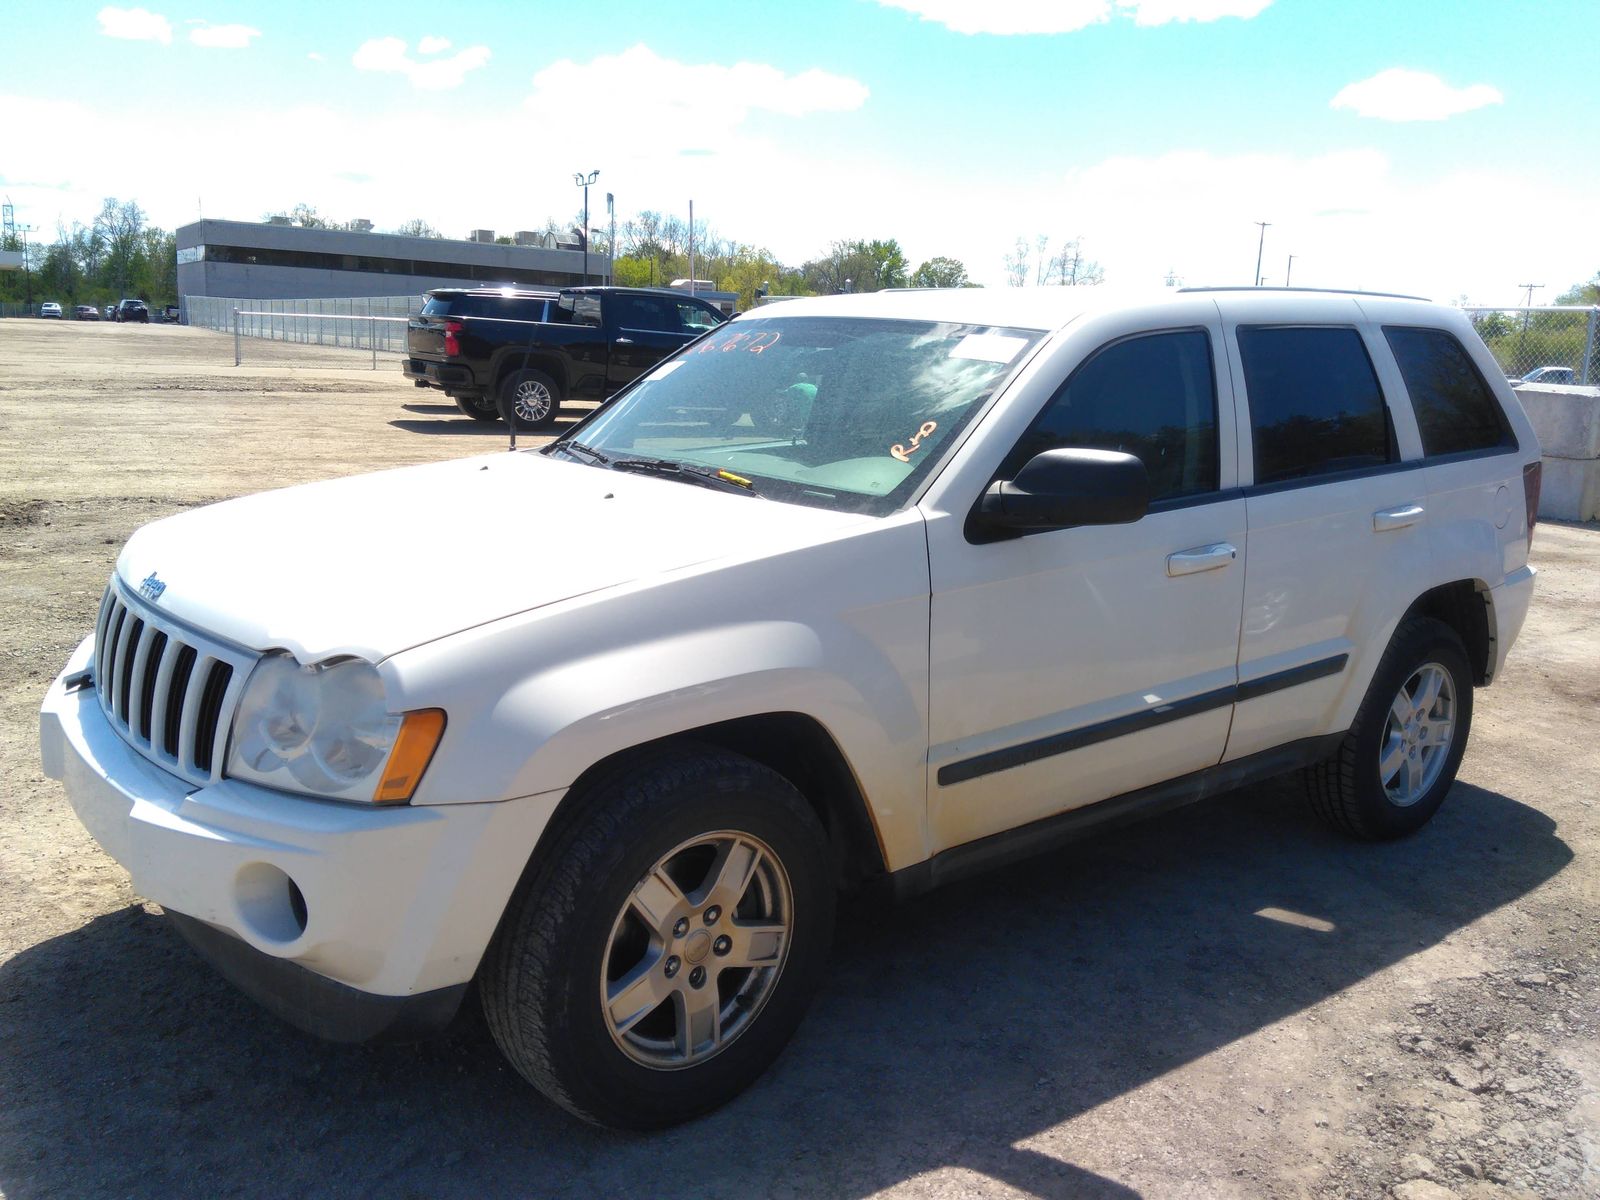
{"x":1287,"y":271}
{"x":1260,"y":245}
{"x":691,"y":247}
{"x":1525,"y":313}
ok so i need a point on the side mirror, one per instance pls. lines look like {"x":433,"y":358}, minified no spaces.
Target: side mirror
{"x":1062,"y":488}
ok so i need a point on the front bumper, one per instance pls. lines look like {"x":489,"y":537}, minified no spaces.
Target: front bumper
{"x":314,"y":908}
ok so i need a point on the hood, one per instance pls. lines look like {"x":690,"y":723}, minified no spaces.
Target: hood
{"x":372,"y":564}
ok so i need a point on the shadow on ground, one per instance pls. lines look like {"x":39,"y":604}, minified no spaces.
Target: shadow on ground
{"x":951,"y":1029}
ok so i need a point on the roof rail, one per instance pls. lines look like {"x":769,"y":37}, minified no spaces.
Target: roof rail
{"x":1244,"y":287}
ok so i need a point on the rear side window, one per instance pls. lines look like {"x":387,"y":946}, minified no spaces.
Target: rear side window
{"x":1455,"y":410}
{"x":465,"y":304}
{"x":1152,"y":396}
{"x":696,"y":319}
{"x":1315,"y":404}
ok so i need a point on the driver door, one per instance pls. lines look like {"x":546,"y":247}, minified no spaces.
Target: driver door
{"x":1072,"y":665}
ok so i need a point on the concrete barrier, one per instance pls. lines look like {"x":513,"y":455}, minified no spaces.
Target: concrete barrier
{"x":1567,"y":420}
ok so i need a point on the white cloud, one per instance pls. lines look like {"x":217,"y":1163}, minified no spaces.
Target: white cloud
{"x":1162,"y":12}
{"x":692,"y":105}
{"x":433,"y":45}
{"x":437,"y":75}
{"x":314,"y":56}
{"x":226,"y":37}
{"x":135,"y":25}
{"x":1067,"y":16}
{"x":1401,"y":95}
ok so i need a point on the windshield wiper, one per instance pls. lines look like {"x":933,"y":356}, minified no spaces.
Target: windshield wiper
{"x":588,"y":452}
{"x":725,"y":481}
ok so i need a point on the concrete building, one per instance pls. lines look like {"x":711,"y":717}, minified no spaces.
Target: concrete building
{"x":251,"y":260}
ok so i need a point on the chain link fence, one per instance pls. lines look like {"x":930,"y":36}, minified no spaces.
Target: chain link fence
{"x":1554,"y":344}
{"x":323,"y":322}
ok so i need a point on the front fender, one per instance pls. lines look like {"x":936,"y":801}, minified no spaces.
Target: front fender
{"x":836,"y":632}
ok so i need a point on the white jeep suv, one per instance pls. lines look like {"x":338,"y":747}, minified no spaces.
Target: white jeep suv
{"x":857,"y":591}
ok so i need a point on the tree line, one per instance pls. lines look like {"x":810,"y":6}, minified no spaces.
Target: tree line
{"x":118,"y":254}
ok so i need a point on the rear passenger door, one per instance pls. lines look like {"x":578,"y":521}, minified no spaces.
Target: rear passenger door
{"x":644,"y":330}
{"x":1336,"y":511}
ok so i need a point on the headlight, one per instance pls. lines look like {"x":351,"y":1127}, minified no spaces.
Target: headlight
{"x":327,"y":730}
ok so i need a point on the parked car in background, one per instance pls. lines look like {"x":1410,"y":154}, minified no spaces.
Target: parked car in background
{"x":86,"y":312}
{"x":1563,"y":376}
{"x":50,"y":309}
{"x":171,"y":314}
{"x":532,"y":350}
{"x":111,"y":312}
{"x":133,"y":310}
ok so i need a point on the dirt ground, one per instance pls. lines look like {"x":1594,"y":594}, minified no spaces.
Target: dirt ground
{"x":1225,"y":1002}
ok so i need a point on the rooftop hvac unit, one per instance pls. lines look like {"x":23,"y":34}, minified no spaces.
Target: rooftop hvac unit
{"x":361,"y":225}
{"x":481,"y":235}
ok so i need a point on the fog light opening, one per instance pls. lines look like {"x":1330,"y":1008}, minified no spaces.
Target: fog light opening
{"x":270,"y":903}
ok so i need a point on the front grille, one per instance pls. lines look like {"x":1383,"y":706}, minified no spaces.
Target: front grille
{"x":168,"y":690}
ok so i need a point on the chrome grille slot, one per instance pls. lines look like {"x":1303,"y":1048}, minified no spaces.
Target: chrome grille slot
{"x":169,"y":691}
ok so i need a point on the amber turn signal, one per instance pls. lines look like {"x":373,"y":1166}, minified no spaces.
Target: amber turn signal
{"x":418,"y":738}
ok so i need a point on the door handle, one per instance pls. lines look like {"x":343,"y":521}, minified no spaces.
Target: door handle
{"x":1396,"y":518}
{"x":1201,"y":558}
{"x":624,"y":341}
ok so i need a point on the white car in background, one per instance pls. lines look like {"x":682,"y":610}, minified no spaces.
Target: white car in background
{"x":866,"y":591}
{"x":50,"y":309}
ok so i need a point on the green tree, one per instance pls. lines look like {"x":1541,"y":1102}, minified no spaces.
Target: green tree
{"x":1582,"y":293}
{"x":940,"y":272}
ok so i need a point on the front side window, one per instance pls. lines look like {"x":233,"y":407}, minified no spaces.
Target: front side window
{"x":1152,"y":396}
{"x":697,"y":320}
{"x":1455,"y":410}
{"x":836,"y":412}
{"x":1315,"y":404}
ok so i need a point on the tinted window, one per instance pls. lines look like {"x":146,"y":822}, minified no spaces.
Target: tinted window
{"x":1153,"y":397}
{"x":645,"y":312}
{"x":1315,"y":405}
{"x":696,"y":319}
{"x":1455,"y":409}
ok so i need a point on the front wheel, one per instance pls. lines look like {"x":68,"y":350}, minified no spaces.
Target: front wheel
{"x":1401,"y":755}
{"x":532,"y":399}
{"x":658,"y":959}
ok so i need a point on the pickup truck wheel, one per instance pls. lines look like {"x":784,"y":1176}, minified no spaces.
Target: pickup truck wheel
{"x":661,"y":955}
{"x":1401,"y":755}
{"x":532,"y":399}
{"x":479,"y":408}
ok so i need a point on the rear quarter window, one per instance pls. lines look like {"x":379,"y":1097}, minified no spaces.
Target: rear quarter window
{"x":1456,"y":412}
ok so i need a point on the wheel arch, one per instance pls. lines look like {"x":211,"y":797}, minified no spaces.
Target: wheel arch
{"x":1466,"y":606}
{"x":793,"y":744}
{"x":511,"y":360}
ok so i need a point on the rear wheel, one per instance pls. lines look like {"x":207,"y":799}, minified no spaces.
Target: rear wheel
{"x":1403,"y":750}
{"x":532,"y":399}
{"x":667,"y":947}
{"x":479,"y":408}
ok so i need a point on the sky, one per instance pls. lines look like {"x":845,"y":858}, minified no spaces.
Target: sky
{"x":1433,"y":147}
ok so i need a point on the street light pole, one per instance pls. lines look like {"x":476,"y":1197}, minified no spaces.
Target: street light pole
{"x":1287,"y":271}
{"x":611,"y":244}
{"x":1260,"y":245}
{"x":583,"y":181}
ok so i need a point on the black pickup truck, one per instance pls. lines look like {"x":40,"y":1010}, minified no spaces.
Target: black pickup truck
{"x":527,"y":352}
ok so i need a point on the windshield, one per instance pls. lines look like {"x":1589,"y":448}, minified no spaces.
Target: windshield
{"x":836,"y":412}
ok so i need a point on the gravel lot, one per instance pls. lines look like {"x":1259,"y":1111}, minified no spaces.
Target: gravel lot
{"x":1225,"y":1002}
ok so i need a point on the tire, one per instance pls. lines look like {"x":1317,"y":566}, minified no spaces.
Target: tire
{"x":532,"y":399}
{"x":622,"y":905}
{"x":1361,"y":791}
{"x":479,"y":408}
